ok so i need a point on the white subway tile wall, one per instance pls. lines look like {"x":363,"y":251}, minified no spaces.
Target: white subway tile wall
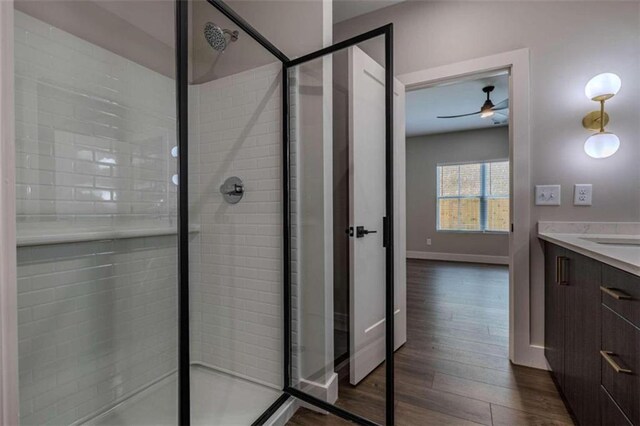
{"x":97,"y":320}
{"x":237,"y":257}
{"x":94,"y":131}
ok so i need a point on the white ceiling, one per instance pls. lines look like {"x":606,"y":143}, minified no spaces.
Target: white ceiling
{"x":347,"y":9}
{"x":424,"y":105}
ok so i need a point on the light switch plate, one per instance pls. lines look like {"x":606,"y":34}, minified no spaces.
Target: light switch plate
{"x":547,"y":195}
{"x":582,"y":194}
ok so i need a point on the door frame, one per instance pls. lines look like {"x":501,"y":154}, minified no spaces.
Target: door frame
{"x":521,"y":349}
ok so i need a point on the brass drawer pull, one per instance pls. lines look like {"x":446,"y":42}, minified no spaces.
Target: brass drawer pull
{"x":607,"y":357}
{"x":561,"y":273}
{"x":615,"y":293}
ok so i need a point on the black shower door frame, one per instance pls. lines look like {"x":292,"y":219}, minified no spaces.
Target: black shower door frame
{"x":182,"y":82}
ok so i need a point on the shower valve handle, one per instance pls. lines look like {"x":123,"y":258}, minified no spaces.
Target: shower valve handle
{"x":233,"y":190}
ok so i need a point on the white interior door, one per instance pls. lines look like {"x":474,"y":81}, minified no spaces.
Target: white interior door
{"x":399,"y":215}
{"x":366,"y":210}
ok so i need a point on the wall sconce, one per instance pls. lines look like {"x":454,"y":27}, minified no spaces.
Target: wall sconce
{"x":600,"y":88}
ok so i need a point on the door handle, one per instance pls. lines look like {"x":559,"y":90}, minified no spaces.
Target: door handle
{"x":361,"y":232}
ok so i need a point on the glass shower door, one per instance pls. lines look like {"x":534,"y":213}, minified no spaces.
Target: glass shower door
{"x":341,"y":254}
{"x":96,"y":212}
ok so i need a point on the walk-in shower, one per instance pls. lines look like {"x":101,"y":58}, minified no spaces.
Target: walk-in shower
{"x":153,"y":290}
{"x":97,"y":213}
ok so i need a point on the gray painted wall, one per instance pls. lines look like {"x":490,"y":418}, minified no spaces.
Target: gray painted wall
{"x":424,"y":153}
{"x":569,"y":43}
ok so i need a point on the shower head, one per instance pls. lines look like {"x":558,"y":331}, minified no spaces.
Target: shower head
{"x":217,"y":37}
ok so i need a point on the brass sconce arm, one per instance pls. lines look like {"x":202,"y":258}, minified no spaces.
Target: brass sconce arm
{"x":596,"y":120}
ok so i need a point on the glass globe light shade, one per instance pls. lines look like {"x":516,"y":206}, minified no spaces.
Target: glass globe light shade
{"x":174,"y":152}
{"x":174,"y":179}
{"x":601,"y":145}
{"x":602,"y":86}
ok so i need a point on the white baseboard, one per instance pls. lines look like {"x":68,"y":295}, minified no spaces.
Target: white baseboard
{"x":325,"y":391}
{"x":532,"y":357}
{"x":457,"y":257}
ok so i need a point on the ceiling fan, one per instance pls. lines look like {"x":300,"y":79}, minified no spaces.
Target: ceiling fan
{"x":488,"y":109}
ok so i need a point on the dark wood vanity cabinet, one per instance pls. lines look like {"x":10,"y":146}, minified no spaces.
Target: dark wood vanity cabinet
{"x":619,"y":363}
{"x":554,"y":312}
{"x":620,"y":348}
{"x":610,"y":412}
{"x":582,"y":337}
{"x":572,"y":329}
{"x":592,"y":342}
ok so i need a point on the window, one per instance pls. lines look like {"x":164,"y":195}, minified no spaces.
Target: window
{"x":473,"y":197}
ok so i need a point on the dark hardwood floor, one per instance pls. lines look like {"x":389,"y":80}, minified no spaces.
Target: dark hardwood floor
{"x":454,"y":368}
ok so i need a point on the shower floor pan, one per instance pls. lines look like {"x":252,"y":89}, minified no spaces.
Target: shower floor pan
{"x":216,"y":399}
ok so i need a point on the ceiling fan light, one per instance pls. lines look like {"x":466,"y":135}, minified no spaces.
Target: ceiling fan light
{"x":601,"y":145}
{"x":486,"y":114}
{"x":602,"y":86}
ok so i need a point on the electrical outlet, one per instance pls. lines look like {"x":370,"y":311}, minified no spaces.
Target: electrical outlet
{"x":547,"y":195}
{"x":428,"y":241}
{"x":582,"y":194}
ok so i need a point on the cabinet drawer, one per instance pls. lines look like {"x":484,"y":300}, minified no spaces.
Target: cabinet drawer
{"x":621,"y":292}
{"x":620,"y":363}
{"x":611,"y":414}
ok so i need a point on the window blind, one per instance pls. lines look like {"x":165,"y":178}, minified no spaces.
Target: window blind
{"x":473,"y":197}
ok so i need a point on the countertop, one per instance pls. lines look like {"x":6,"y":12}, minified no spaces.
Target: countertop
{"x":624,"y":257}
